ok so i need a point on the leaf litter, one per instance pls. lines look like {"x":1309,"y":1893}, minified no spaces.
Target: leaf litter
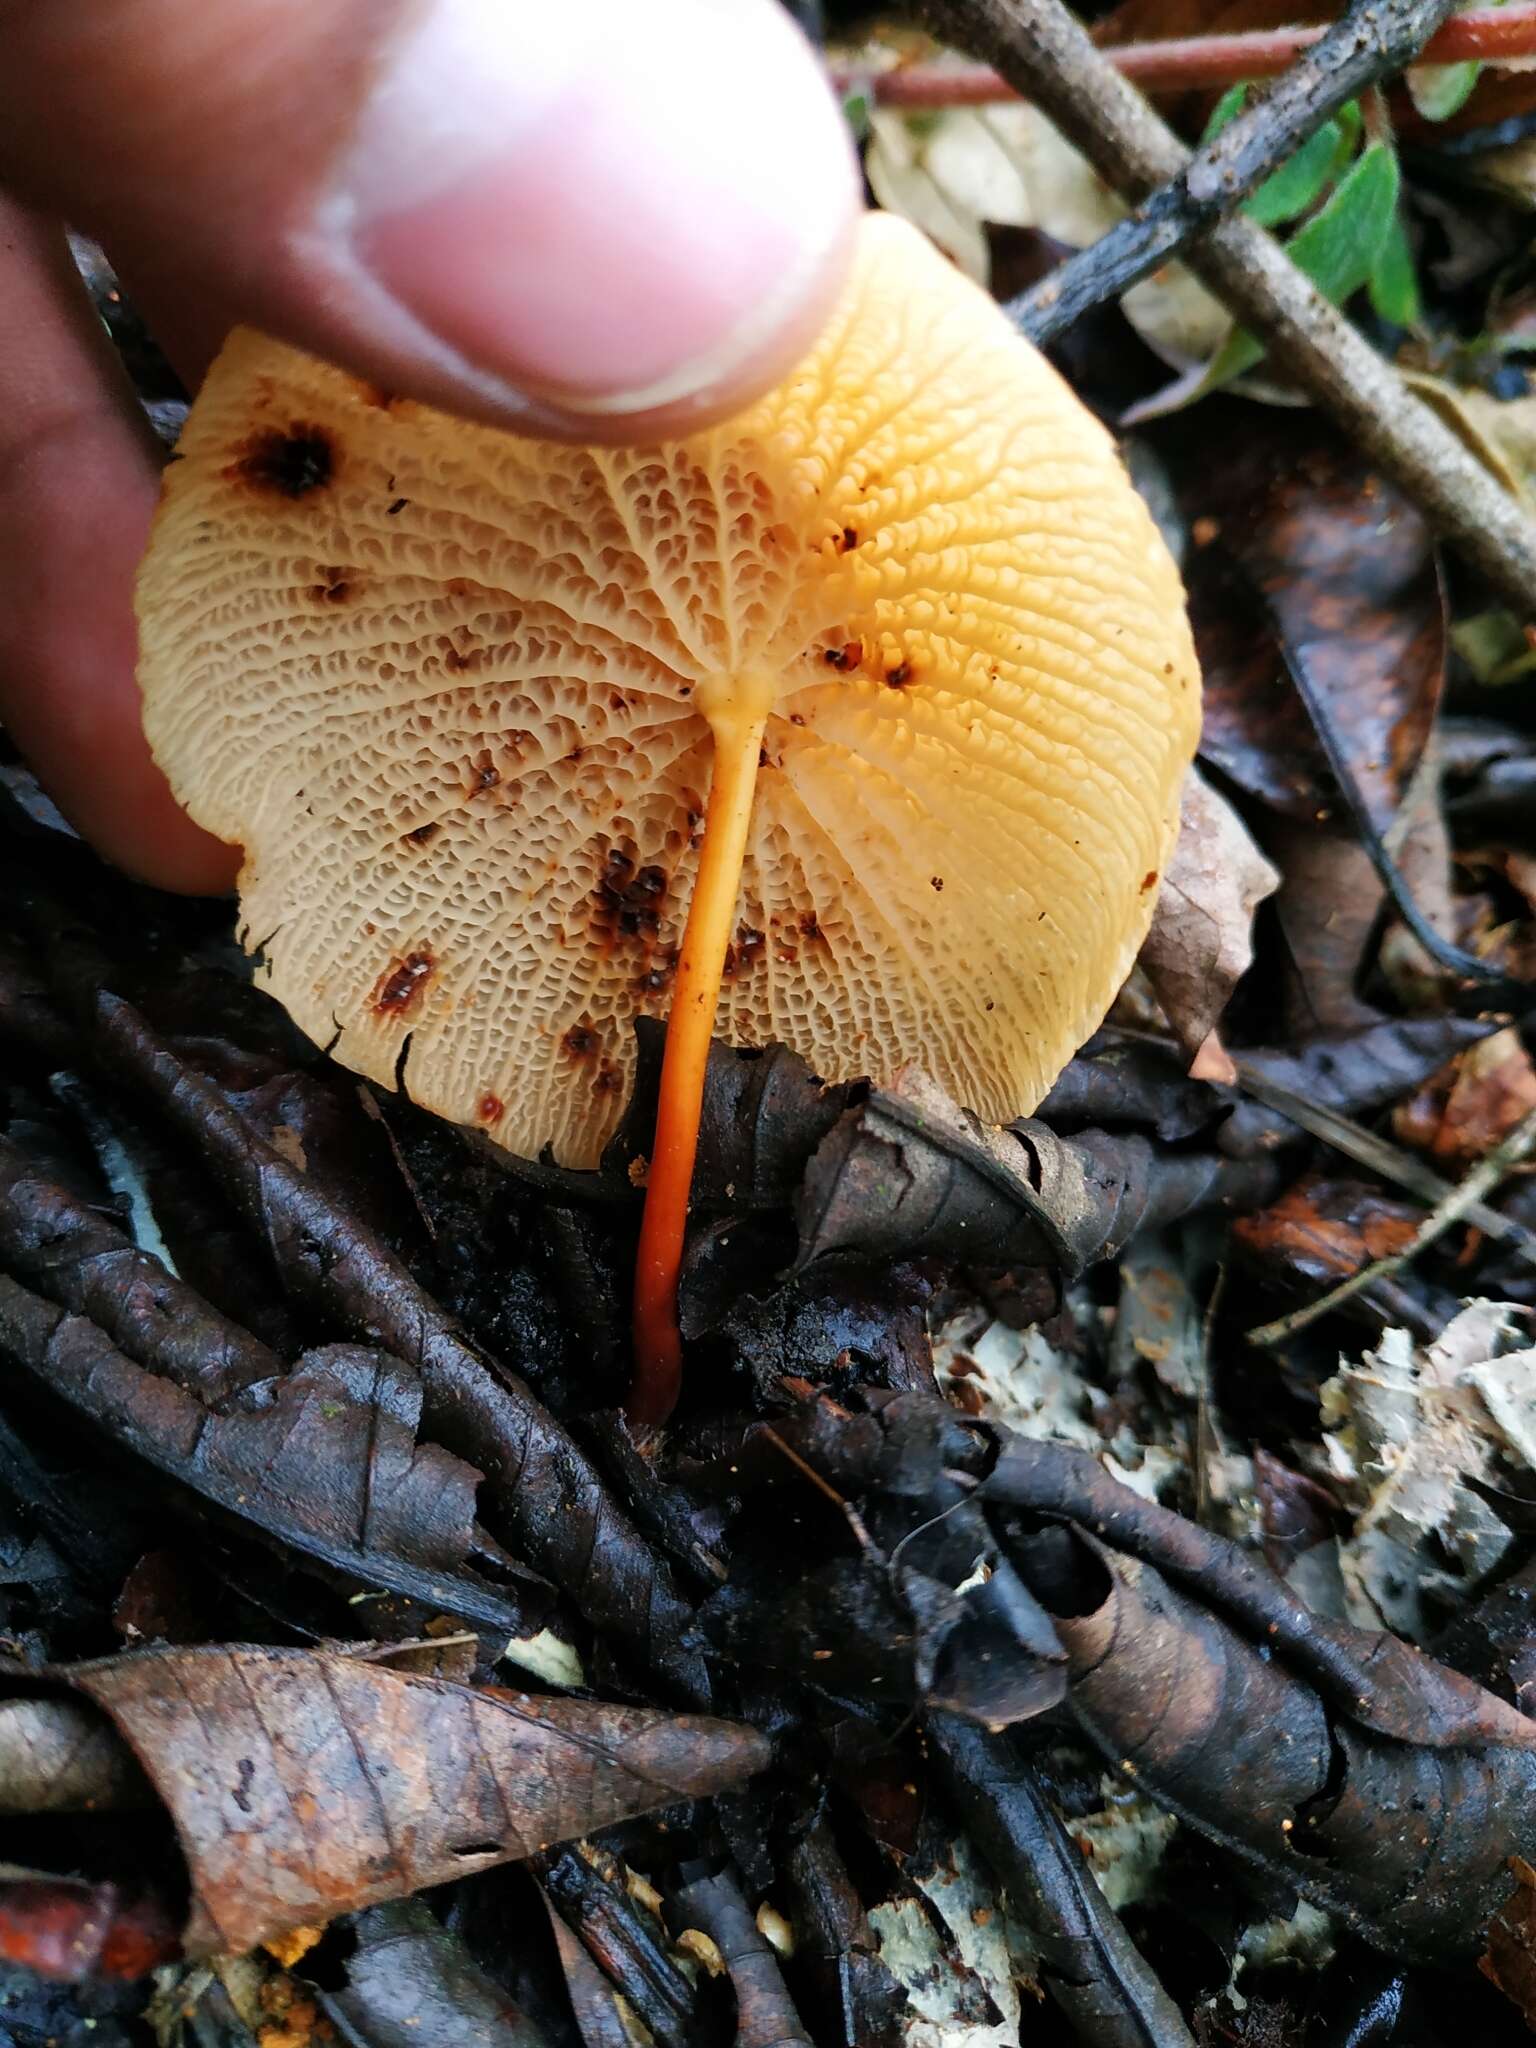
{"x":1073,"y":1666}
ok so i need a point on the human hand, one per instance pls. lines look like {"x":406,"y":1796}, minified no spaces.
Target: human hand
{"x":603,"y":219}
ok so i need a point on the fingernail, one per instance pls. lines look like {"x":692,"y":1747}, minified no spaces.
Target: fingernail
{"x":610,"y":206}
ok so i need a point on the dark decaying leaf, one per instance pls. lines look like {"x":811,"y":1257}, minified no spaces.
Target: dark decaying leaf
{"x":1125,"y":1078}
{"x":764,"y":1113}
{"x":84,"y":1260}
{"x":1295,"y":1511}
{"x":304,"y":1784}
{"x":1406,"y":1843}
{"x":765,"y":2012}
{"x":1089,"y":1964}
{"x":595,"y":2006}
{"x":413,"y":1984}
{"x":1344,"y":566}
{"x":869,"y":1321}
{"x":907,"y":1171}
{"x":324,"y":1460}
{"x":541,"y":1486}
{"x":1340,"y":1762}
{"x":1355,"y":1072}
{"x":1385,"y":1684}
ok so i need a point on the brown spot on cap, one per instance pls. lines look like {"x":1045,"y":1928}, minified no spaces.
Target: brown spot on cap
{"x":490,"y":1109}
{"x":289,"y":462}
{"x":402,"y":985}
{"x":423,"y":833}
{"x":629,"y":899}
{"x":810,"y":925}
{"x":936,"y":882}
{"x":333,"y":586}
{"x":1149,"y":879}
{"x":580,"y":1042}
{"x":900,"y":675}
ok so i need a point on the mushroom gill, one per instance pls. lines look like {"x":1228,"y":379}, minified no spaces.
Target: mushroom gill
{"x":903,"y":632}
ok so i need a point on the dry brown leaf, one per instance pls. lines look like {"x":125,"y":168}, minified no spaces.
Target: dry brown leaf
{"x":1201,"y":941}
{"x":303,"y":1784}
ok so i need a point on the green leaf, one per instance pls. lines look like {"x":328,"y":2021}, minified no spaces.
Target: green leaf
{"x":1224,"y":113}
{"x":857,"y":106}
{"x":1338,"y":248}
{"x":1393,"y":286}
{"x":1440,"y":90}
{"x":1299,"y":182}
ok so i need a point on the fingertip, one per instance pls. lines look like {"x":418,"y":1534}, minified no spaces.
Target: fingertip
{"x":644,"y":218}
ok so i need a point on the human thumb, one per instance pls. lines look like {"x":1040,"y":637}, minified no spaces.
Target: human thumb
{"x":592,"y":217}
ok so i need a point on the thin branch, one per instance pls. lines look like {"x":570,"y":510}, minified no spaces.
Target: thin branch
{"x":1045,"y":52}
{"x":1373,"y":39}
{"x":1481,"y":1181}
{"x":1185,"y":63}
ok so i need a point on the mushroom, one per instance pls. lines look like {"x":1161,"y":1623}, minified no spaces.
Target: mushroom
{"x":857,"y":723}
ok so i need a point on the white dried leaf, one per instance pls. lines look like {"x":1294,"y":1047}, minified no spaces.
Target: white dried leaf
{"x":1404,"y":1431}
{"x":1125,"y":1841}
{"x":1017,"y":1379}
{"x":960,"y":1962}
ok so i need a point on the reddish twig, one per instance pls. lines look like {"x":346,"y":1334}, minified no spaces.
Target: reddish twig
{"x":1494,"y":34}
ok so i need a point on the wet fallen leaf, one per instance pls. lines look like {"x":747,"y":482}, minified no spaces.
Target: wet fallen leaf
{"x":1322,"y":1230}
{"x":68,"y":1929}
{"x":1462,"y":1112}
{"x":907,"y":1172}
{"x":765,"y":2014}
{"x":540,"y":1486}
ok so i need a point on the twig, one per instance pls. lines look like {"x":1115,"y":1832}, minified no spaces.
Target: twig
{"x":1045,"y":52}
{"x":765,"y":2012}
{"x":1373,"y":39}
{"x":1482,"y":1180}
{"x":1183,"y":63}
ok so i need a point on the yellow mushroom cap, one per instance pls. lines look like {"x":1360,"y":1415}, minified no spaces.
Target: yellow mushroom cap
{"x":444,"y":686}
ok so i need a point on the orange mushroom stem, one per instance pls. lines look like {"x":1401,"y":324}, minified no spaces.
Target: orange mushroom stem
{"x":737,"y":710}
